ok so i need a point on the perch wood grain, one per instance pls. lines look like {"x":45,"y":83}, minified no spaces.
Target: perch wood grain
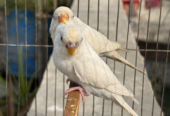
{"x":72,"y":104}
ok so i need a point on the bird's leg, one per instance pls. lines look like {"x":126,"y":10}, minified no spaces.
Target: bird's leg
{"x":82,"y":92}
{"x":68,"y":80}
{"x":86,"y":93}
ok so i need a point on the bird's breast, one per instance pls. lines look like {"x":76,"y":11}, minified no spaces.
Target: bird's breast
{"x":64,"y":65}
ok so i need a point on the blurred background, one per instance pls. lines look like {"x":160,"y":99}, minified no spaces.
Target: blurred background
{"x":26,"y":47}
{"x":23,"y":25}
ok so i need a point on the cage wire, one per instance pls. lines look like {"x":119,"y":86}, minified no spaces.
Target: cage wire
{"x":42,"y":46}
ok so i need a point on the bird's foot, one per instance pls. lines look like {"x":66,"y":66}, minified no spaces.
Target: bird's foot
{"x":82,"y":92}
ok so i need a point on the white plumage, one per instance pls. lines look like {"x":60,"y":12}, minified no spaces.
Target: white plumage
{"x":86,"y":68}
{"x":100,"y":43}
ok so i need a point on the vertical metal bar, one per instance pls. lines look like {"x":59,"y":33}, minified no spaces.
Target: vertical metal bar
{"x":117,"y":23}
{"x":108,"y":20}
{"x":64,"y":85}
{"x":97,"y":30}
{"x":147,"y":37}
{"x":36,"y":52}
{"x":17,"y":39}
{"x":55,"y":93}
{"x":63,"y":92}
{"x":165,"y":76}
{"x":156,"y":68}
{"x":88,"y":12}
{"x":6,"y":34}
{"x":108,"y":16}
{"x":93,"y":106}
{"x":124,"y":76}
{"x":98,"y":13}
{"x":134,"y":85}
{"x":78,"y":4}
{"x":117,"y":28}
{"x":46,"y":38}
{"x":165,"y":16}
{"x":54,"y":4}
{"x":55,"y":88}
{"x":26,"y":99}
{"x":57,"y":3}
{"x":67,"y":3}
{"x":88,"y":17}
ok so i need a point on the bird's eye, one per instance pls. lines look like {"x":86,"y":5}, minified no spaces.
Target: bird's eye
{"x":61,"y":39}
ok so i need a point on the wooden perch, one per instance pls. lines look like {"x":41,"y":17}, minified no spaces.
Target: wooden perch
{"x":72,"y":104}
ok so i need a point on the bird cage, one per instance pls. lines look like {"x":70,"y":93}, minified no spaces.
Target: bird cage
{"x":33,"y":86}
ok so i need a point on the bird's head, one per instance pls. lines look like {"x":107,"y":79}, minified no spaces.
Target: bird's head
{"x":69,"y":38}
{"x":61,"y":15}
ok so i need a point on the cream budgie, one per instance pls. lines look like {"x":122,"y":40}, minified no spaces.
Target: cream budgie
{"x":74,"y":57}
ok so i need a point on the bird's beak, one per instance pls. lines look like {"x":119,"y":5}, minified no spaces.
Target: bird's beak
{"x":71,"y":47}
{"x":63,"y":18}
{"x":71,"y":51}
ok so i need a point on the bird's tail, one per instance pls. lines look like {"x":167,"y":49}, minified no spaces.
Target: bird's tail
{"x":122,"y":103}
{"x":115,"y":56}
{"x":135,"y":100}
{"x":122,"y":49}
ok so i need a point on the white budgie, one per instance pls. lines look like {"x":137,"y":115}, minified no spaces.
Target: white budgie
{"x":74,"y":57}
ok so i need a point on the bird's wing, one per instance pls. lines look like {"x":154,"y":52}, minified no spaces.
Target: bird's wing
{"x":53,"y":27}
{"x":92,"y":70}
{"x":97,"y":41}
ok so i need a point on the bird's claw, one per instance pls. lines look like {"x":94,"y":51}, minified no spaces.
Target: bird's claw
{"x":80,"y":89}
{"x":68,"y":80}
